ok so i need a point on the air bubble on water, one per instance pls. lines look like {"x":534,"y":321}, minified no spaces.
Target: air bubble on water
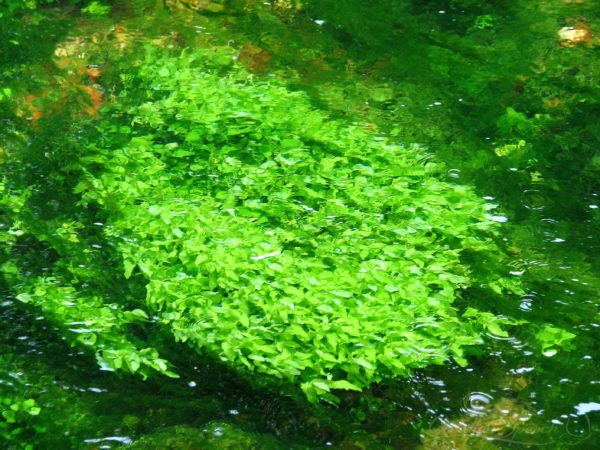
{"x":525,"y":306}
{"x":454,"y":173}
{"x":124,"y":440}
{"x":97,"y":390}
{"x":584,"y":408}
{"x":478,"y":403}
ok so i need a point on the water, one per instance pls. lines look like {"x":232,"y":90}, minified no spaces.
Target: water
{"x":496,"y":92}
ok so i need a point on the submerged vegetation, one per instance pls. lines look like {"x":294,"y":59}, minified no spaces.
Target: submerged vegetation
{"x":270,"y":208}
{"x":263,"y":232}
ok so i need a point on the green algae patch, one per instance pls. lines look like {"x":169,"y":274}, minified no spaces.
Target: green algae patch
{"x":214,"y":435}
{"x":260,"y":232}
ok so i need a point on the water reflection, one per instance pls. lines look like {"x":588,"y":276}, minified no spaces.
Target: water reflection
{"x":478,"y":403}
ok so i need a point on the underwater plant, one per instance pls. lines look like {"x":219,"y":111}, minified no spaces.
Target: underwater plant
{"x":253,"y":227}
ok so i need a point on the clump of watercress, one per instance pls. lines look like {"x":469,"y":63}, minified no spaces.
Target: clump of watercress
{"x":284,"y":242}
{"x":259,"y":231}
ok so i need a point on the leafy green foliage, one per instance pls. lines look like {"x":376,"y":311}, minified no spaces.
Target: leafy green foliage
{"x":275,"y":238}
{"x":9,"y":7}
{"x":258,"y":230}
{"x":89,"y":319}
{"x":15,"y":417}
{"x":96,"y":9}
{"x":70,"y":286}
{"x":91,"y":322}
{"x":11,"y":204}
{"x":551,"y":338}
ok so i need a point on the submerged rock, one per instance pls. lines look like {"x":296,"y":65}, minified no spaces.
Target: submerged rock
{"x":573,"y":36}
{"x":479,"y":428}
{"x":255,"y":58}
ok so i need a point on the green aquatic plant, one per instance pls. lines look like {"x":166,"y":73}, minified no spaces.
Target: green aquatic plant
{"x":16,"y":415}
{"x":5,"y":93}
{"x":484,"y":21}
{"x":96,"y":9}
{"x":9,"y":7}
{"x":261,"y":232}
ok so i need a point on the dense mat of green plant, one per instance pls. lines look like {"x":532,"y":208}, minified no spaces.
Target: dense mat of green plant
{"x":8,"y":8}
{"x":265,"y":233}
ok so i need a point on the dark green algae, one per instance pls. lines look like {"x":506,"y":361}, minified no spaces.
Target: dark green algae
{"x":446,"y":74}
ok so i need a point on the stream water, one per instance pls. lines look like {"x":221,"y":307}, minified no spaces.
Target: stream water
{"x":506,"y":94}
